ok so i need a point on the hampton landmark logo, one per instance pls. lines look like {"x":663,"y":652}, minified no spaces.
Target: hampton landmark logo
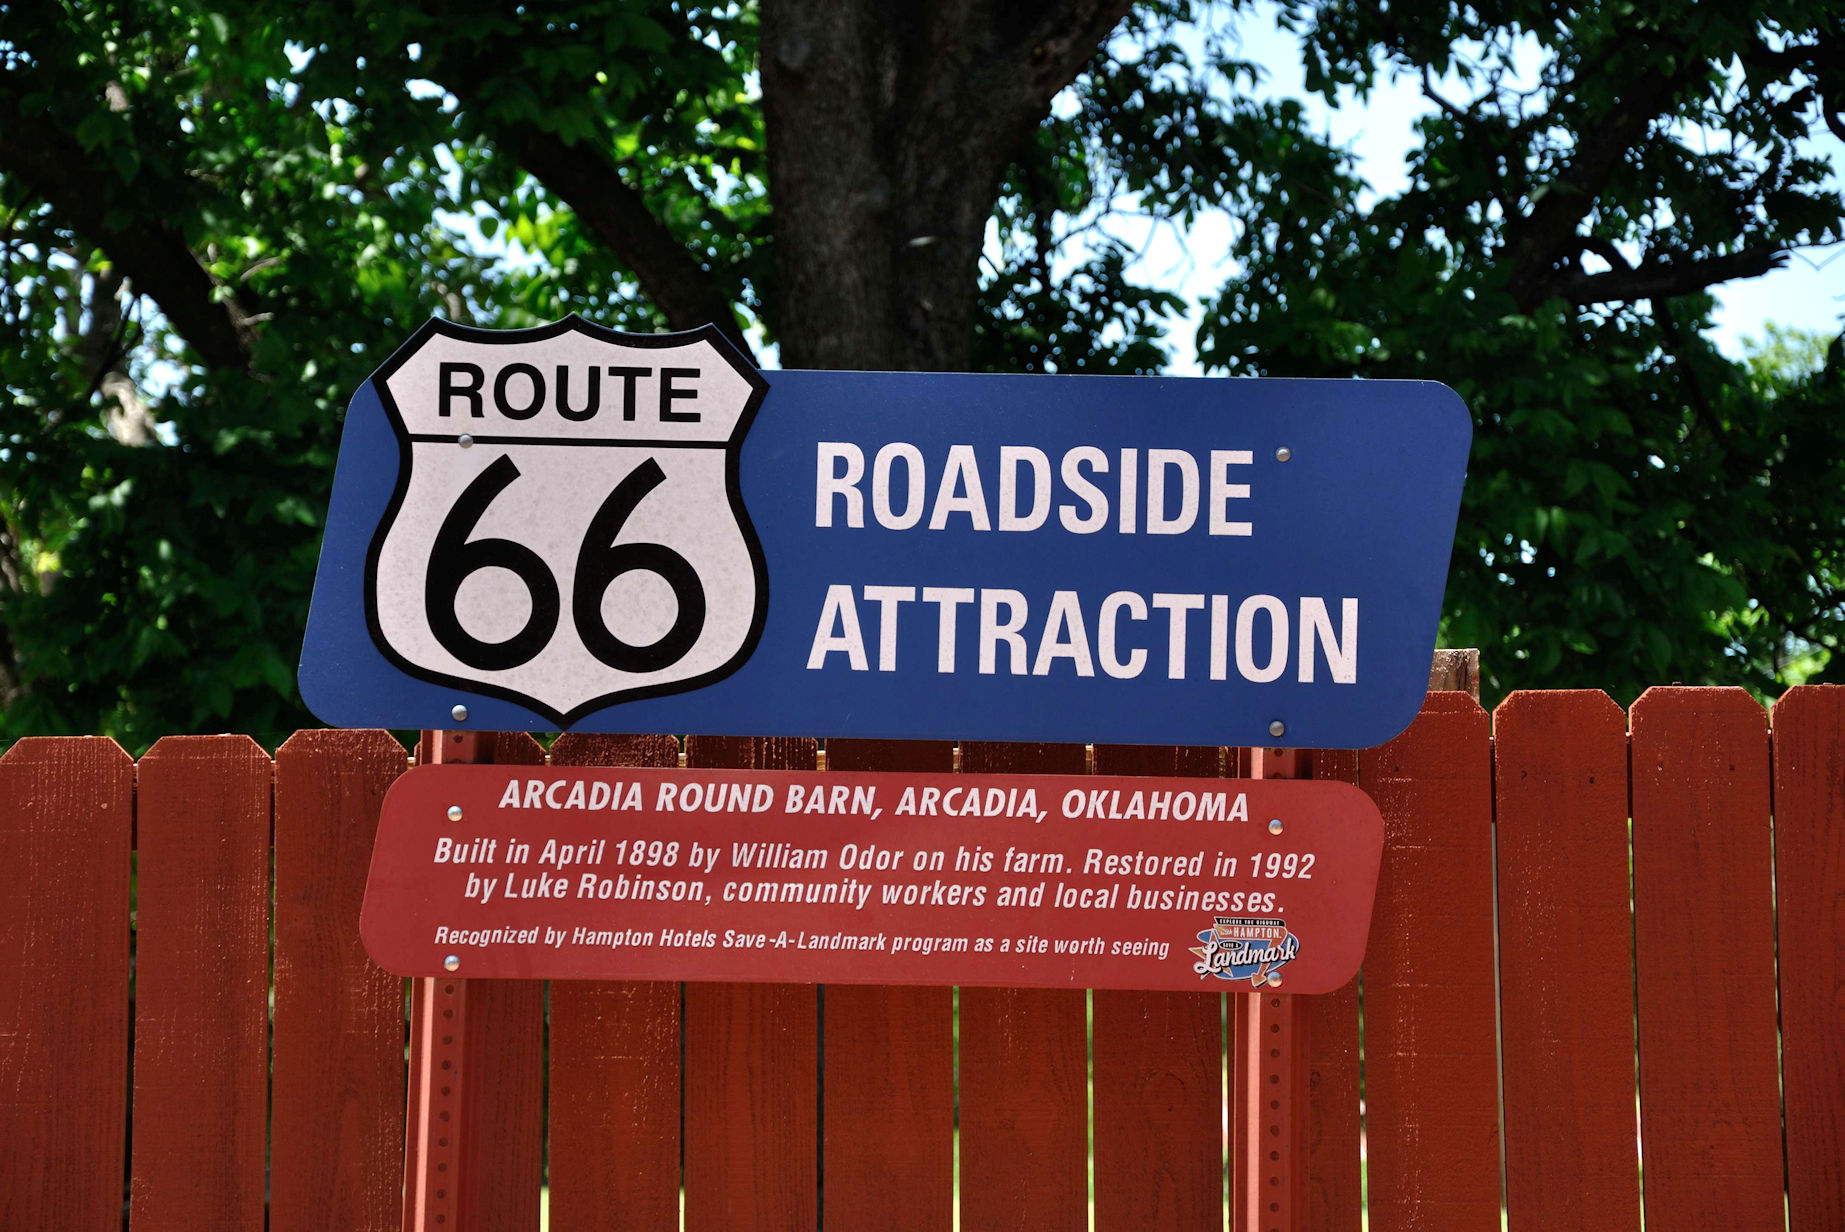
{"x":1245,"y":948}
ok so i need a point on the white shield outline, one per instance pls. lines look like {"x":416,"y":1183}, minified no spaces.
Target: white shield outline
{"x":733,"y":488}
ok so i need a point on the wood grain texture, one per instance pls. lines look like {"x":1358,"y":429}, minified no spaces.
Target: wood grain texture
{"x":1710,"y":1108}
{"x":1809,"y":755}
{"x":201,"y":1052}
{"x":614,"y":1067}
{"x":888,"y":1082}
{"x":1158,"y":1060}
{"x":503,"y":1145}
{"x":1024,"y":1070}
{"x":337,"y":1126}
{"x":1566,"y":966}
{"x":65,"y":818}
{"x":1431,"y":1062}
{"x":1335,"y":1194}
{"x":1456,"y":670}
{"x":751,"y":1067}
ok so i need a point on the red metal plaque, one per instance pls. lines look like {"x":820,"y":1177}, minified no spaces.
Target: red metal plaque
{"x":1007,"y":880}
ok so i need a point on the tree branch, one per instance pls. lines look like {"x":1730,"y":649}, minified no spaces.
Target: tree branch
{"x":1665,"y":279}
{"x":683,"y":290}
{"x":1044,"y":46}
{"x":584,"y":178}
{"x":144,"y":245}
{"x":1547,"y":234}
{"x":1466,"y":121}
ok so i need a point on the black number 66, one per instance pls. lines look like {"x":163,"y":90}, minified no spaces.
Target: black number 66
{"x":600,"y":560}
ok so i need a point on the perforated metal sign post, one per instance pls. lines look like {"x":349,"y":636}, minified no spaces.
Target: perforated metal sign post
{"x":1270,"y":1080}
{"x":438,"y":1120}
{"x":567,"y":527}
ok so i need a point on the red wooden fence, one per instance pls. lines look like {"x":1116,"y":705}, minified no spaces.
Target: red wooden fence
{"x":1613,"y":1025}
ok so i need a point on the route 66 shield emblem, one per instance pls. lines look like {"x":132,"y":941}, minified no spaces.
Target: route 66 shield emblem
{"x":567,"y":528}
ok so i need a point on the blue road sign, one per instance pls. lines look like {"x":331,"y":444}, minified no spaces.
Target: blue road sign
{"x":568,"y":527}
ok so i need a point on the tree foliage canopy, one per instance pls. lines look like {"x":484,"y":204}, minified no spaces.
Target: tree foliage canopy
{"x":215,"y":223}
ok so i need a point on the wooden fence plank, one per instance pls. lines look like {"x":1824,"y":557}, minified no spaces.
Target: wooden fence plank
{"x":1809,"y":753}
{"x":65,"y":818}
{"x":337,"y":1125}
{"x":1566,"y":962}
{"x":1158,"y":1071}
{"x":614,"y":1067}
{"x":751,"y":1067}
{"x":888,"y":1081}
{"x":1024,"y":1096}
{"x":201,"y":1072}
{"x":1430,"y":1043}
{"x":504,"y":1145}
{"x":1710,"y":1108}
{"x":1335,"y":1192}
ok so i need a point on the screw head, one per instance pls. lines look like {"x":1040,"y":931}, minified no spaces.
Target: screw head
{"x":1283,"y":454}
{"x":460,"y":712}
{"x":1277,"y":728}
{"x":451,"y":963}
{"x":454,"y":812}
{"x":465,"y":441}
{"x":1274,"y":824}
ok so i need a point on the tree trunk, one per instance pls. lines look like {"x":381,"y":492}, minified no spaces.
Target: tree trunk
{"x":890,"y":124}
{"x":876,"y":258}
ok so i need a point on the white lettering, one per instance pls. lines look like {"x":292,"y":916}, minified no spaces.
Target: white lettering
{"x":1245,"y":639}
{"x":1105,"y":639}
{"x":912,"y":460}
{"x":1083,"y":490}
{"x":1009,"y":458}
{"x":1130,"y":488}
{"x":1316,"y":624}
{"x":993,"y":631}
{"x":828,"y":483}
{"x":887,"y":598}
{"x":947,"y":599}
{"x":1158,"y":461}
{"x":1065,"y":618}
{"x":838,"y":612}
{"x":1222,"y":490}
{"x":960,"y":491}
{"x":1176,"y":608}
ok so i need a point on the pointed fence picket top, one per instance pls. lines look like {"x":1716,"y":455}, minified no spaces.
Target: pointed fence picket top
{"x":1809,"y":795}
{"x":66,"y":812}
{"x":1710,"y":1100}
{"x":201,"y":1072}
{"x":1431,"y":1044}
{"x":337,"y":1101}
{"x":1566,"y":965}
